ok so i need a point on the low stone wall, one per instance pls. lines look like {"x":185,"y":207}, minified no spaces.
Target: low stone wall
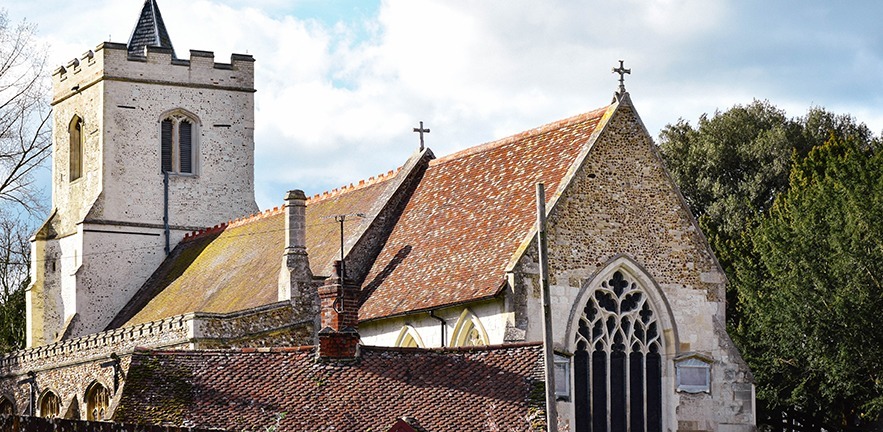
{"x":68,"y":368}
{"x":36,"y":424}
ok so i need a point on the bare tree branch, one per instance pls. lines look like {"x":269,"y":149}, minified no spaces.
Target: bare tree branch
{"x":25,"y":136}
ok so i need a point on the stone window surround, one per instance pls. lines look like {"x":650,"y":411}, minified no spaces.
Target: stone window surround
{"x":44,"y":400}
{"x":177,"y":115}
{"x":409,"y":334}
{"x":76,"y":142}
{"x":659,"y":304}
{"x":93,"y":398}
{"x":468,"y":324}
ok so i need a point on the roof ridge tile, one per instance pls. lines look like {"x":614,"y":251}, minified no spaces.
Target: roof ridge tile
{"x":521,"y":135}
{"x":232,"y":223}
{"x":363,"y":183}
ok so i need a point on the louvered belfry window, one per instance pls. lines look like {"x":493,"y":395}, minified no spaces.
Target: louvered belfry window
{"x":167,"y":146}
{"x":617,"y":363}
{"x":176,"y":136}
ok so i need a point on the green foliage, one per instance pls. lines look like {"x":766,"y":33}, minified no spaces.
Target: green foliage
{"x":811,"y":329}
{"x":793,"y":209}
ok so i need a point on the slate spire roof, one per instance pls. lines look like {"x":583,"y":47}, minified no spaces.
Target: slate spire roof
{"x":149,"y":31}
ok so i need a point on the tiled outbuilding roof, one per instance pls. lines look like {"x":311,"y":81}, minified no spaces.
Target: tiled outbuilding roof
{"x":250,"y":389}
{"x":467,"y":218}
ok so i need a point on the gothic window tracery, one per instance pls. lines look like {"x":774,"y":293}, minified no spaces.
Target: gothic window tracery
{"x":97,"y":402}
{"x":618,"y":363}
{"x":75,"y":131}
{"x":50,"y":405}
{"x":178,"y":143}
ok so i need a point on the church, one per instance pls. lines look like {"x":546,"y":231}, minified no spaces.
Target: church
{"x":411,"y":300}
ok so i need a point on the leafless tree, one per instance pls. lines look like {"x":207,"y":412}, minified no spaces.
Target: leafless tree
{"x":25,"y":135}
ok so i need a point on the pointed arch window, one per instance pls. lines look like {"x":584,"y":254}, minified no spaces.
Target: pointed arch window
{"x":178,"y":143}
{"x":75,"y":133}
{"x":7,"y":406}
{"x":50,"y":405}
{"x":97,"y":402}
{"x":618,"y":362}
{"x":409,"y":338}
{"x":469,"y":331}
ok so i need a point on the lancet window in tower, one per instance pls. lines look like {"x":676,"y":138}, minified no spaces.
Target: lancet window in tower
{"x":177,"y":144}
{"x":617,"y":363}
{"x":75,"y":131}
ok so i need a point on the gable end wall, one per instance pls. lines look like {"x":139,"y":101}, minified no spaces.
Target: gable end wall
{"x":621,"y":202}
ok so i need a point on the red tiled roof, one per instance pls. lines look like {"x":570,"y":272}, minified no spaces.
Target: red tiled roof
{"x":249,"y":389}
{"x":467,"y":218}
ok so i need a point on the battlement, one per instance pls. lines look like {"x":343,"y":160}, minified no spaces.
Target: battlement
{"x":111,"y":61}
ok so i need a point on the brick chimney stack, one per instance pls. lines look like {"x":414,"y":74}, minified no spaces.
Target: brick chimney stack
{"x":339,"y":299}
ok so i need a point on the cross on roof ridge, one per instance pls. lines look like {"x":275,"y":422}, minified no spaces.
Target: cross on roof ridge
{"x":622,"y":71}
{"x":421,"y":131}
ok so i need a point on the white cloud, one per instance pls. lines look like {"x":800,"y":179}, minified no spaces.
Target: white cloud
{"x":337,"y":97}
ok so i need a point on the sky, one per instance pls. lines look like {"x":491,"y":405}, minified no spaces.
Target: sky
{"x":341,"y":84}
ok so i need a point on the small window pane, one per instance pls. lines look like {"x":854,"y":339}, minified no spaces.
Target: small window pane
{"x":562,"y":377}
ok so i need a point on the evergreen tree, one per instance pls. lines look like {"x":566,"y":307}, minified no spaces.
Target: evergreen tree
{"x":810,"y":327}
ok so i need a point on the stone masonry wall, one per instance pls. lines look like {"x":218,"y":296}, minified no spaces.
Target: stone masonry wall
{"x":621,"y":202}
{"x":122,"y":102}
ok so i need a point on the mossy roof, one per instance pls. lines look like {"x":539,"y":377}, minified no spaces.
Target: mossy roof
{"x":236,"y":266}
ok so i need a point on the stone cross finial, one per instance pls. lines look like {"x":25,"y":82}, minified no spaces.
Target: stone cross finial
{"x":421,"y":131}
{"x":622,"y":71}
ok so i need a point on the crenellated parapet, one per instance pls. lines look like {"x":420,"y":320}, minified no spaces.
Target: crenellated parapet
{"x":111,"y":61}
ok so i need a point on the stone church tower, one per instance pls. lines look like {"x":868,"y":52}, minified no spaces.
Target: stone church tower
{"x":146,"y":147}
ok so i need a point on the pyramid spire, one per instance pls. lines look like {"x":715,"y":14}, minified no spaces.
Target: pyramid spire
{"x":150,"y":31}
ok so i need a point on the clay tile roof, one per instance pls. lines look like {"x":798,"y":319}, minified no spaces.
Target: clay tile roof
{"x":467,"y":218}
{"x":454,"y":390}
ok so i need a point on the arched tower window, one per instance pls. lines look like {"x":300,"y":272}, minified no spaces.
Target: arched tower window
{"x":178,"y":143}
{"x":7,"y":406}
{"x":75,"y":131}
{"x":469,"y":331}
{"x":409,"y":338}
{"x":618,"y":362}
{"x":50,"y":405}
{"x":97,"y":402}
